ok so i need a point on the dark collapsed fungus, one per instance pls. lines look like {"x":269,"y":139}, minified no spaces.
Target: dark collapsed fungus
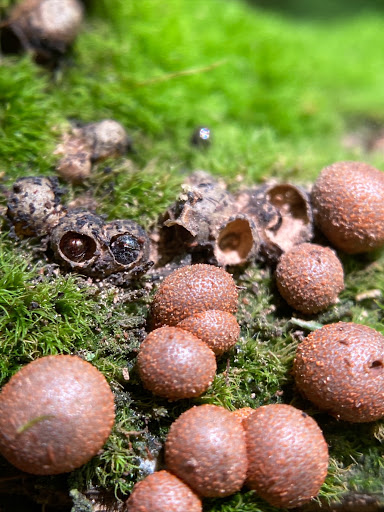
{"x":81,"y":241}
{"x":218,"y":228}
{"x":87,"y":144}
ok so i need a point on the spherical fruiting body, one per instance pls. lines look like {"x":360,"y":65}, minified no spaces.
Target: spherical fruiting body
{"x":348,"y":200}
{"x":206,"y":448}
{"x":47,"y":26}
{"x":106,"y":138}
{"x":340,"y":368}
{"x":34,"y":206}
{"x":242,"y":414}
{"x":310,"y":277}
{"x":163,"y":492}
{"x":192,"y":289}
{"x":55,"y":414}
{"x":287,"y":455}
{"x":175,"y":364}
{"x":218,"y":329}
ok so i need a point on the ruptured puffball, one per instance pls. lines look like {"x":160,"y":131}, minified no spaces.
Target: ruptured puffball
{"x":163,"y":492}
{"x":310,"y":277}
{"x":348,"y":201}
{"x":55,"y":414}
{"x":287,"y":455}
{"x":192,"y":289}
{"x":175,"y":364}
{"x":340,"y":368}
{"x":206,"y":448}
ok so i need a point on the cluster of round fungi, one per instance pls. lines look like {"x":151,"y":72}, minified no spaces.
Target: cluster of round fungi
{"x":277,"y":450}
{"x":192,"y":313}
{"x":348,"y":207}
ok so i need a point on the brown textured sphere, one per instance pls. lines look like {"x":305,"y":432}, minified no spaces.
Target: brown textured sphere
{"x":163,"y":492}
{"x":243,"y":413}
{"x":348,"y":200}
{"x":206,"y":448}
{"x":310,"y":277}
{"x":55,"y":414}
{"x":192,"y":289}
{"x":218,"y":329}
{"x":287,"y":455}
{"x":175,"y":364}
{"x":340,"y":368}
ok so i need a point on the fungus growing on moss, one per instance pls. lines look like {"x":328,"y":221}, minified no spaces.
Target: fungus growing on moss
{"x":55,"y":415}
{"x":218,"y":329}
{"x":340,"y":368}
{"x":48,"y":27}
{"x":175,"y":364}
{"x":192,"y":289}
{"x":205,"y":222}
{"x":310,"y":277}
{"x":162,"y":492}
{"x":34,"y":205}
{"x":348,"y":201}
{"x":206,"y":448}
{"x":287,"y":455}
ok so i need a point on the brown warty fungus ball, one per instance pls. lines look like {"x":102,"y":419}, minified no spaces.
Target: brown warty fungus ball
{"x":192,"y":289}
{"x":348,"y":201}
{"x":218,"y":329}
{"x":310,"y":277}
{"x":287,"y":455}
{"x":55,"y":415}
{"x":340,"y":368}
{"x":163,"y":492}
{"x":206,"y":448}
{"x":175,"y":364}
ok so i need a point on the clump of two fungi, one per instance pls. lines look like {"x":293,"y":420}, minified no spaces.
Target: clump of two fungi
{"x":192,"y":313}
{"x":80,"y":241}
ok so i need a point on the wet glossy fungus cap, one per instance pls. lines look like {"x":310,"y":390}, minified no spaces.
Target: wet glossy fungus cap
{"x":192,"y":289}
{"x":163,"y":492}
{"x":287,"y":455}
{"x":310,"y":277}
{"x":55,"y":414}
{"x":205,"y":447}
{"x":218,"y":329}
{"x":348,"y":201}
{"x":340,"y":368}
{"x":175,"y":364}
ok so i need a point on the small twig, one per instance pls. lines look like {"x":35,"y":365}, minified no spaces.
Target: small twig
{"x":185,"y":72}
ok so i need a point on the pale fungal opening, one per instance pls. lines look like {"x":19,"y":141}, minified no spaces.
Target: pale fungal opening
{"x":77,"y":247}
{"x":234,"y":243}
{"x":294,"y":214}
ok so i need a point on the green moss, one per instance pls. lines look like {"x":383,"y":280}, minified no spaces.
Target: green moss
{"x":279,"y":90}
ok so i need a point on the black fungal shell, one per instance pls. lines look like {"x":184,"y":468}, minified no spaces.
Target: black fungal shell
{"x":34,"y":206}
{"x":128,"y":244}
